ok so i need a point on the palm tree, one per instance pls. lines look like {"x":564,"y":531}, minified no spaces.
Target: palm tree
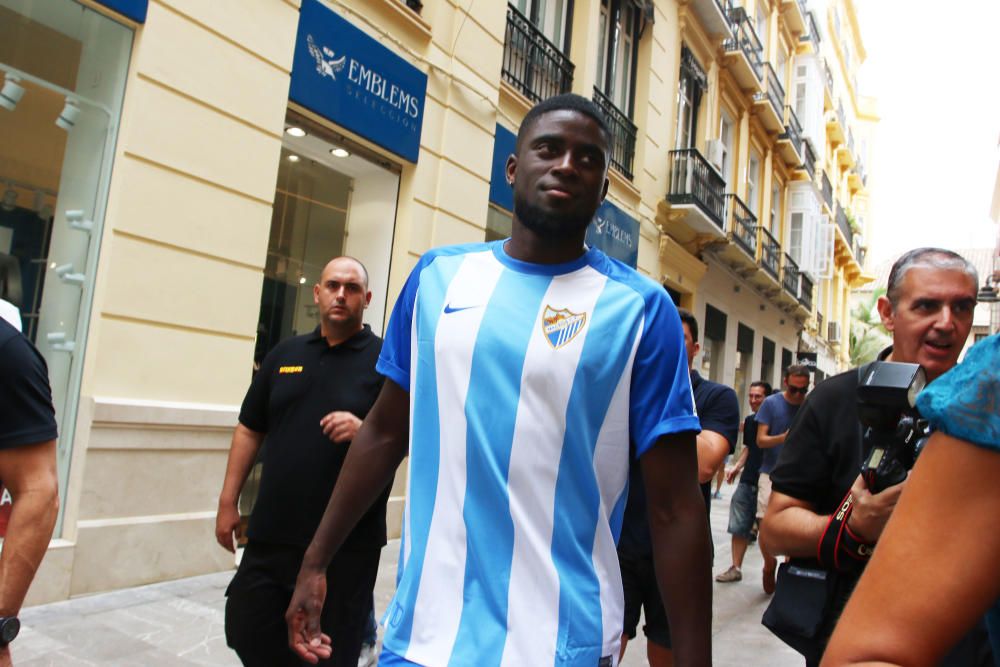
{"x":868,"y":336}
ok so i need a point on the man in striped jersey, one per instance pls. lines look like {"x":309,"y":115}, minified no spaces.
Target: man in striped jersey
{"x":524,"y":374}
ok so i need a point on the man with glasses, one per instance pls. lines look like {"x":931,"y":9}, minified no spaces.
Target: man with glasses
{"x":773,"y":420}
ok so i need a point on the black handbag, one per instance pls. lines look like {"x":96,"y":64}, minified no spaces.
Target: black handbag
{"x":799,"y":610}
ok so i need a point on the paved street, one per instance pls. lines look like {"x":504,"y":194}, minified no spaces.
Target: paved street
{"x":181,"y":622}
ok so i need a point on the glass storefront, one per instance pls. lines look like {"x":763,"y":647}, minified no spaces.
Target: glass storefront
{"x":63,"y":69}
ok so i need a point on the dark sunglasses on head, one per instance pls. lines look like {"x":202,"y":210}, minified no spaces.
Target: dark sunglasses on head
{"x":799,"y":390}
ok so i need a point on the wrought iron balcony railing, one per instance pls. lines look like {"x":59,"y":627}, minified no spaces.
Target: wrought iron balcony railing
{"x":790,"y":277}
{"x":744,"y":224}
{"x":694,"y":181}
{"x":840,"y":114}
{"x":531,"y":63}
{"x":745,"y":39}
{"x":623,"y":133}
{"x":850,"y":141}
{"x":793,"y":130}
{"x":775,"y":92}
{"x":809,"y":159}
{"x":827,"y":191}
{"x":806,"y":291}
{"x":828,"y":77}
{"x":845,"y":226}
{"x":770,"y":252}
{"x":812,"y":31}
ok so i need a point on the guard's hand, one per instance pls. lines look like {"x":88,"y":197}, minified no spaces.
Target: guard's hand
{"x":227,"y":520}
{"x":340,"y":426}
{"x":5,"y":660}
{"x":302,"y":617}
{"x":872,"y":511}
{"x":731,"y":474}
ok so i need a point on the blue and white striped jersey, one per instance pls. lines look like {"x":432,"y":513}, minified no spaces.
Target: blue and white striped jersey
{"x":527,"y":383}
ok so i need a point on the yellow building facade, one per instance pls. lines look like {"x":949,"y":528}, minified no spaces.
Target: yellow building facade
{"x":178,"y":172}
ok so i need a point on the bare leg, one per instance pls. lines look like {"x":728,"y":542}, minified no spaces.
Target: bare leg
{"x":659,"y":656}
{"x":621,"y":654}
{"x":739,"y":550}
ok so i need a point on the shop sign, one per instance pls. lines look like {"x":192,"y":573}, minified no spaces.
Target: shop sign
{"x":501,"y":193}
{"x":616,"y":233}
{"x":342,"y":74}
{"x":809,"y":360}
{"x":133,"y":9}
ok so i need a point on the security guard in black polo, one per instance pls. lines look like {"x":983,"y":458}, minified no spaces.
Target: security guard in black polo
{"x":304,"y":406}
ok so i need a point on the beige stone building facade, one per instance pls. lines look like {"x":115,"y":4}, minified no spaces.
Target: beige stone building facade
{"x":211,"y":156}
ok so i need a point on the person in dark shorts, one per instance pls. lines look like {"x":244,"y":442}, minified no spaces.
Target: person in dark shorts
{"x":302,"y":410}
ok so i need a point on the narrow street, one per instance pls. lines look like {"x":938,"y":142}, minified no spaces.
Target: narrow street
{"x":181,"y":622}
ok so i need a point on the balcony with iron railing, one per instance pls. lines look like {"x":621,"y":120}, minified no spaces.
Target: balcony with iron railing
{"x":836,"y":125}
{"x":623,"y":133}
{"x":810,"y":34}
{"x":698,"y":191}
{"x":743,"y":225}
{"x":714,"y":17}
{"x":744,"y":53}
{"x":790,"y":277}
{"x":771,"y":100}
{"x":809,"y":159}
{"x":794,"y":14}
{"x":806,"y":291}
{"x":828,"y":82}
{"x":844,"y":225}
{"x":790,"y":140}
{"x":770,"y":253}
{"x":845,"y":151}
{"x":532,"y":64}
{"x":827,"y":188}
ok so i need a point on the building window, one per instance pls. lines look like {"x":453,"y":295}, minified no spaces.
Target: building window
{"x":551,"y":17}
{"x":761,"y":21}
{"x":786,"y":359}
{"x":617,"y":49}
{"x":795,"y":240}
{"x":726,"y":137}
{"x":713,"y":344}
{"x":753,"y":181}
{"x":744,"y":362}
{"x":775,"y":209}
{"x":690,"y":88}
{"x":767,"y":361}
{"x":535,"y":46}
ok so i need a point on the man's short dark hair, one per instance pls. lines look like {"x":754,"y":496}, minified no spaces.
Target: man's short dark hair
{"x":765,"y":385}
{"x":688,"y":318}
{"x":935,"y":258}
{"x":565,"y":102}
{"x":796,"y":370}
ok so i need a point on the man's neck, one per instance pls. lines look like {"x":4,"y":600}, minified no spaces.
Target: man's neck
{"x":527,"y":246}
{"x":335,"y":335}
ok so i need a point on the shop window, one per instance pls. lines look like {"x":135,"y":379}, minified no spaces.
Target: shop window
{"x":332,"y":198}
{"x":63,"y":68}
{"x":744,"y":363}
{"x":713,"y":344}
{"x":767,"y":361}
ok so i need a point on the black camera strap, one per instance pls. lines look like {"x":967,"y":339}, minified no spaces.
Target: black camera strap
{"x":839,"y":548}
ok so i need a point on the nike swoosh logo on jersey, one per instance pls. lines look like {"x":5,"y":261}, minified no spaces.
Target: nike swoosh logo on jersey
{"x":448,"y":308}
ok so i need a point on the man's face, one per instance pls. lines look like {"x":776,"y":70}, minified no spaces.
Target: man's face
{"x":796,"y":388}
{"x":559,"y":174}
{"x":341,"y":295}
{"x":932,"y":318}
{"x":757,"y":397}
{"x":690,"y":345}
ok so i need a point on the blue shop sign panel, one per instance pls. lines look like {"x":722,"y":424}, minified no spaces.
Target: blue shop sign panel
{"x":342,"y":74}
{"x":616,"y":233}
{"x":501,"y":193}
{"x":133,"y":9}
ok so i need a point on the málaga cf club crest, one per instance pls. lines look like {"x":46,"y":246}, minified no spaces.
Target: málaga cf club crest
{"x":561,"y":326}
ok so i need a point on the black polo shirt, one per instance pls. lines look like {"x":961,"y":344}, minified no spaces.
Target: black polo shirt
{"x":299,"y":382}
{"x":26,"y":413}
{"x":755,"y":455}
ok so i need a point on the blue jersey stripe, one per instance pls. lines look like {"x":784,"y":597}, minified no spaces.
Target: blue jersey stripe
{"x":578,"y":500}
{"x":431,"y":292}
{"x":491,"y":411}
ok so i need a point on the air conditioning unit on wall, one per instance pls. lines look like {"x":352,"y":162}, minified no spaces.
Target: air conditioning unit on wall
{"x":833,"y":332}
{"x":714,"y":150}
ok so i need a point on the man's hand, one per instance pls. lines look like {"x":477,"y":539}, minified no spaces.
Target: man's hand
{"x":227,"y":520}
{"x":870,"y":511}
{"x":5,"y":660}
{"x":304,"y":634}
{"x":732,"y":473}
{"x":340,"y":426}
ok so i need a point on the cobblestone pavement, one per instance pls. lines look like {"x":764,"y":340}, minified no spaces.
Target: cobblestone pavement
{"x":181,"y":622}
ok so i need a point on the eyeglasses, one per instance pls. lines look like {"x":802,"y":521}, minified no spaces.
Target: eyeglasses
{"x":799,"y":390}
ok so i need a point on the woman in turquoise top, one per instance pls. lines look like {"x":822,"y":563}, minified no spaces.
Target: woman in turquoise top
{"x":934,"y":572}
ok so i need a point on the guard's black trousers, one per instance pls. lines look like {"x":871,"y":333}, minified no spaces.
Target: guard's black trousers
{"x":261,"y":591}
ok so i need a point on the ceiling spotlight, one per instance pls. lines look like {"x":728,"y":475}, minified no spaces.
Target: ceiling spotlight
{"x":302,"y":280}
{"x":339,"y":152}
{"x":70,"y":112}
{"x":293,"y":158}
{"x":11,"y":92}
{"x":294,"y":131}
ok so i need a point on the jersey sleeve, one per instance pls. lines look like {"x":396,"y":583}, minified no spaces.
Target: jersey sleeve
{"x":27,"y":416}
{"x":661,"y":401}
{"x":394,"y":360}
{"x":722,"y":415}
{"x":965,"y":401}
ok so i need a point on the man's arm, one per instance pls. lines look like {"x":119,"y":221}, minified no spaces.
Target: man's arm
{"x":242,"y":453}
{"x":29,"y":473}
{"x":766,"y":441}
{"x":712,"y":450}
{"x":680,"y":534}
{"x":905,"y":610}
{"x":371,"y":462}
{"x":741,"y":463}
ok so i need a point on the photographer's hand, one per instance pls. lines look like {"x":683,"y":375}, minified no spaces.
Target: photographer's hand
{"x":871,"y":511}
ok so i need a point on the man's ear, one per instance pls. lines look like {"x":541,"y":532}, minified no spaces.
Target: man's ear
{"x":368,"y":298}
{"x":316,"y":293}
{"x":510,"y":170}
{"x":885,"y":311}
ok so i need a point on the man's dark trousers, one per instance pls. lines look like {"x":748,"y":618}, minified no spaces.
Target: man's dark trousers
{"x":261,"y":591}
